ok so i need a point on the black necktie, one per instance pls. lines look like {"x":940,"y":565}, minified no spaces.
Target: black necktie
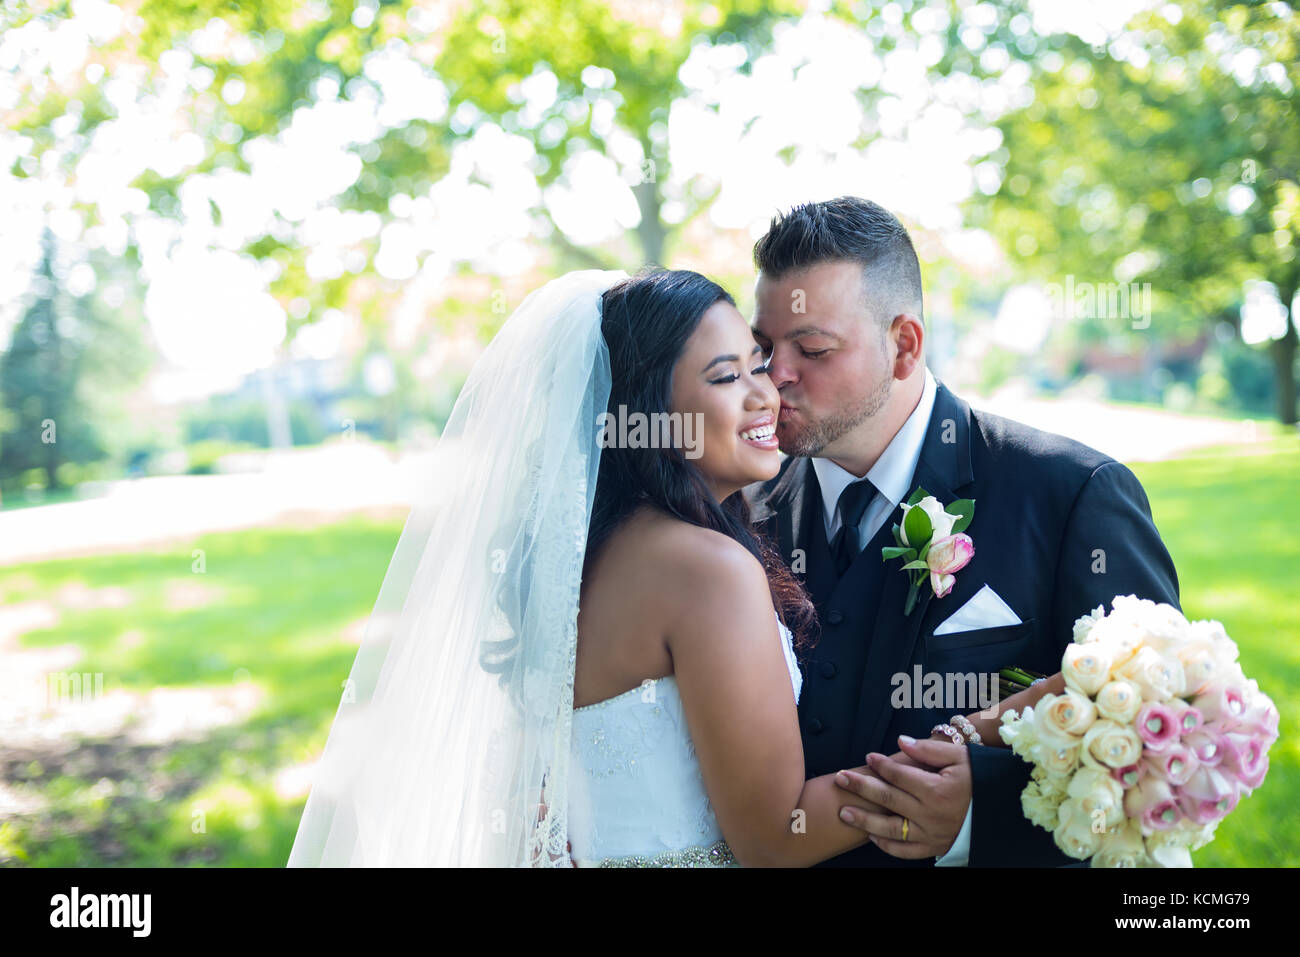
{"x":853,"y":502}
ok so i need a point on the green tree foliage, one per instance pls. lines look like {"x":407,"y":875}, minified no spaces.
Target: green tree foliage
{"x":1169,"y":157}
{"x":624,"y":56}
{"x":48,"y":421}
{"x":616,"y":68}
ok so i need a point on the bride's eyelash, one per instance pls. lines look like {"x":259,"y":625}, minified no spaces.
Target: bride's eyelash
{"x":764,"y":369}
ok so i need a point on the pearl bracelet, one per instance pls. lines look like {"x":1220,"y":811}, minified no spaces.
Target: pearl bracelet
{"x":948,"y":731}
{"x":966,"y":728}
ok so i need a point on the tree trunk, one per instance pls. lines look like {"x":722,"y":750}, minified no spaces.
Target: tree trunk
{"x":279,"y":432}
{"x":1284,"y":353}
{"x":650,"y":231}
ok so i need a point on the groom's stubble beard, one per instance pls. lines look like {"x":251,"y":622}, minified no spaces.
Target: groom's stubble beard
{"x":813,"y":439}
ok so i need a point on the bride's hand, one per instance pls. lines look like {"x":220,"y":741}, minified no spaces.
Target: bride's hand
{"x":852,"y":779}
{"x":923,"y":806}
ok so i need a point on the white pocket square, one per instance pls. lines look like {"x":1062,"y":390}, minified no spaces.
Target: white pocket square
{"x":985,"y":610}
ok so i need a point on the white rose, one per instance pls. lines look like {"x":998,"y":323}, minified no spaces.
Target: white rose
{"x":1053,"y":786}
{"x":1119,"y":701}
{"x":1086,"y":667}
{"x":1165,"y":626}
{"x":1040,"y":808}
{"x":1169,"y":849}
{"x":1199,"y":837}
{"x":1096,"y":790}
{"x":1222,"y":649}
{"x":1074,"y":834}
{"x":1058,"y":760}
{"x":1111,"y":745}
{"x":1018,"y":733}
{"x":940,"y":520}
{"x":1049,"y":733}
{"x":1210,"y":629}
{"x":1131,"y":607}
{"x":1230,"y":674}
{"x":1122,"y":637}
{"x":1083,"y":624}
{"x":1196,"y":655}
{"x":1157,"y":676}
{"x":1122,"y":847}
{"x":1069,"y":714}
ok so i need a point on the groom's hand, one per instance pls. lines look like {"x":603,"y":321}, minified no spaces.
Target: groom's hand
{"x":929,"y":784}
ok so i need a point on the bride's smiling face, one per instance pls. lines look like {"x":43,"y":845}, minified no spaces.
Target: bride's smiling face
{"x":721,"y":375}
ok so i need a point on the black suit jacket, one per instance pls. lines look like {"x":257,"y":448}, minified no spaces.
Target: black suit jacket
{"x":1059,"y":528}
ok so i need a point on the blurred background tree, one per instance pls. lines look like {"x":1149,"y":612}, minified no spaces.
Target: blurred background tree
{"x":63,"y":380}
{"x":606,"y":75}
{"x":1167,"y":156}
{"x":465,"y":138}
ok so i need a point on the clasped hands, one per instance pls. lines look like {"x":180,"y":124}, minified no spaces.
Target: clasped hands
{"x":925,"y":788}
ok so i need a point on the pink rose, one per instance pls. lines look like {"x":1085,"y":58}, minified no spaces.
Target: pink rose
{"x":1157,"y":726}
{"x":1206,"y":812}
{"x":1151,"y":802}
{"x":1207,"y":744}
{"x":1209,"y":784}
{"x":1129,"y":776}
{"x":1221,"y":702}
{"x":946,"y":556}
{"x":1188,"y":718}
{"x":1243,"y":756}
{"x":1199,"y":664}
{"x":1176,"y":764}
{"x":1208,"y":795}
{"x":1259,"y":719}
{"x":1256,"y":776}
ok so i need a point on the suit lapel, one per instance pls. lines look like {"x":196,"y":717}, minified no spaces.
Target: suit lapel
{"x":819,"y":572}
{"x":943,"y":469}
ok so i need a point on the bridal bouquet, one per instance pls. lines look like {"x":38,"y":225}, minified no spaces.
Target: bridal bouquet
{"x":1156,"y":738}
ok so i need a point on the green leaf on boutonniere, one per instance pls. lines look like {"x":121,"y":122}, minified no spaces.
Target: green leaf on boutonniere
{"x":898,"y":538}
{"x":918,"y":528}
{"x":896,"y":551}
{"x":919,"y":494}
{"x":916,"y":564}
{"x":965,"y":507}
{"x":912,"y":594}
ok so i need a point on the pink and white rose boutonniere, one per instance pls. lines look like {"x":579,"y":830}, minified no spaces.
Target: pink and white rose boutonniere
{"x":931,"y":542}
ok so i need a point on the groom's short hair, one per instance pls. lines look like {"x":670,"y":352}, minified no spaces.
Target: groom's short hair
{"x":848,"y":229}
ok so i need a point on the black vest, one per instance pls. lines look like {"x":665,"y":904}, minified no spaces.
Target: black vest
{"x":834,"y":669}
{"x":831,"y":700}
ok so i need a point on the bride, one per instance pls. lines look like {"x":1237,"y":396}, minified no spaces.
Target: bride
{"x":581,"y":653}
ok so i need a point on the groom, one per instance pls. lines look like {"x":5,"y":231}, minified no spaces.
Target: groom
{"x":1058,"y":529}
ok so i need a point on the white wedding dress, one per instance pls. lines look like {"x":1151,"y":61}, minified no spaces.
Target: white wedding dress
{"x":636,"y":793}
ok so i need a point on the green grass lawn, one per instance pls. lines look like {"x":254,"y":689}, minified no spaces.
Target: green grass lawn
{"x":1228,"y":521}
{"x":275,"y":613}
{"x":273,"y":607}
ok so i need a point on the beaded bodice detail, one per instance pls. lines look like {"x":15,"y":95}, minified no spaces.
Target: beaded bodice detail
{"x":636,"y":793}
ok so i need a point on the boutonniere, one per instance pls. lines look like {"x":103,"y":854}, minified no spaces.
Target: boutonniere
{"x":929,"y":539}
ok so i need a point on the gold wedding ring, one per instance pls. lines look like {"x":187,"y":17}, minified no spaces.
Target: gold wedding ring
{"x":905,"y":829}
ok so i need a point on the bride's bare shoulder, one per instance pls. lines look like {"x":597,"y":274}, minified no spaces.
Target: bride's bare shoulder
{"x":678,"y":558}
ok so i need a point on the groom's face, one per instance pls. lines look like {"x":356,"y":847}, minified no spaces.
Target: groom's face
{"x":829,"y":357}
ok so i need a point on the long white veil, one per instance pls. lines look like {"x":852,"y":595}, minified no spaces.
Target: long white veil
{"x":451,"y":743}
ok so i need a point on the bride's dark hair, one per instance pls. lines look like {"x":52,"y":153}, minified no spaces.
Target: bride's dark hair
{"x":646,"y":320}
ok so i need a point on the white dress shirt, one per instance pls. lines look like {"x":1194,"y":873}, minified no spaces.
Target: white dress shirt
{"x":892,"y":476}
